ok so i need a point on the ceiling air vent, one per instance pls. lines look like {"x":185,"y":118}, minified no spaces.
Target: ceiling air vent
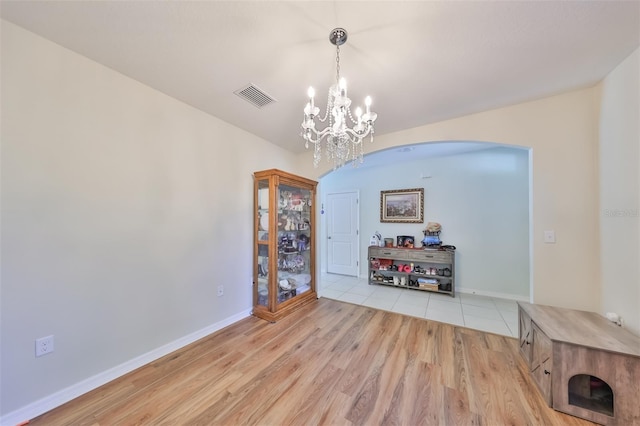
{"x":255,"y":96}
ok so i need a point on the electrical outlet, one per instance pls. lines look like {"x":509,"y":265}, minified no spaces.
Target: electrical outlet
{"x":220,"y":290}
{"x":44,"y":345}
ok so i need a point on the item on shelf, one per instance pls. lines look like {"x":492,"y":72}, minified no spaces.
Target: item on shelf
{"x":297,"y":203}
{"x":431,"y":240}
{"x":428,"y":284}
{"x":376,"y":240}
{"x":261,"y":271}
{"x":433,"y":227}
{"x":432,"y":235}
{"x":262,"y":295}
{"x":388,"y":242}
{"x":405,"y":241}
{"x":264,"y":221}
{"x":303,"y":242}
{"x":385,"y":264}
{"x":300,"y":280}
{"x":284,"y":284}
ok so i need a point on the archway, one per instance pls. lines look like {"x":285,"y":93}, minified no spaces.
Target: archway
{"x":479,"y":191}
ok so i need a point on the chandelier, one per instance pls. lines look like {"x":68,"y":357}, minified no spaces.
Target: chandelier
{"x":343,"y":134}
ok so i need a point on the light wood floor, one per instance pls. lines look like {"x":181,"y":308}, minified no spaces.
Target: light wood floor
{"x":328,"y":363}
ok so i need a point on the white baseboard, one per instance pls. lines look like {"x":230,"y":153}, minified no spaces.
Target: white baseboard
{"x":492,"y":294}
{"x":65,"y":395}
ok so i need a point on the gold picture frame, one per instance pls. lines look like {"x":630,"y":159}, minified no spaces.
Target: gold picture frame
{"x":402,"y":206}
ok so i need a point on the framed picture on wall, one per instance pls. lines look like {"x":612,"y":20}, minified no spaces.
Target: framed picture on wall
{"x":402,"y":206}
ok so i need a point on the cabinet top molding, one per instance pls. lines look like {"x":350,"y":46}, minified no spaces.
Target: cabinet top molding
{"x":264,"y":174}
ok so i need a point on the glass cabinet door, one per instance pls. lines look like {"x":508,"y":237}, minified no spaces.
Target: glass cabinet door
{"x":262,"y":297}
{"x":294,"y":241}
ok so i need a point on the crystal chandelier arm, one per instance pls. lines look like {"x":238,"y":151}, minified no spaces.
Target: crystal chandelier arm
{"x":354,"y":136}
{"x":357,"y":136}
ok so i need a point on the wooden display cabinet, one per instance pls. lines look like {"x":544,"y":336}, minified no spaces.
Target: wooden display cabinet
{"x":284,"y":247}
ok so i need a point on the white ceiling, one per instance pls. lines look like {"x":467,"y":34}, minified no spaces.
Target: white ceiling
{"x":421,"y":61}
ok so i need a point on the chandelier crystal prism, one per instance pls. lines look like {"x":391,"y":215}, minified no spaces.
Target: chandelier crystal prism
{"x":343,"y":134}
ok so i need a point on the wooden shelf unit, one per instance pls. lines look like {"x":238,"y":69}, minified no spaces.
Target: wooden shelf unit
{"x":420,"y":268}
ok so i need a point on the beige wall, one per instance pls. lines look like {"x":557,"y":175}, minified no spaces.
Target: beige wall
{"x":122,"y":211}
{"x":562,"y":134}
{"x":620,"y":191}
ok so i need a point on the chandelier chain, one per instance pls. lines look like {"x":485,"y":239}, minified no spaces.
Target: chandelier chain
{"x":337,"y":63}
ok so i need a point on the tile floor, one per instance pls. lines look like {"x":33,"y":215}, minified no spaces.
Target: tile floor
{"x":489,"y":314}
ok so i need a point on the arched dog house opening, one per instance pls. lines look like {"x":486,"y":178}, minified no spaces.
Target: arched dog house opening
{"x":592,"y":393}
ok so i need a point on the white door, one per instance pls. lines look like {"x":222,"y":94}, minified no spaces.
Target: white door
{"x":342,"y":233}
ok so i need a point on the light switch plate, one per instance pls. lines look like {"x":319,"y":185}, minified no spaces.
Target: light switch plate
{"x":550,"y":237}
